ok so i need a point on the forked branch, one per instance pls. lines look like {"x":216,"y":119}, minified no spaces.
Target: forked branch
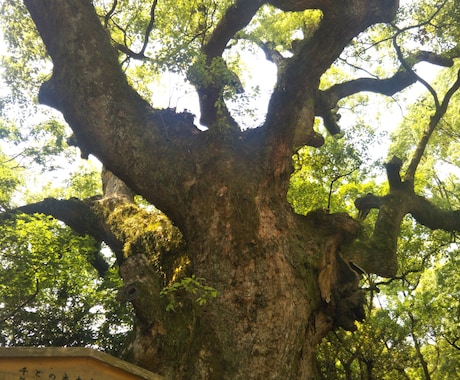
{"x":237,"y":16}
{"x":124,"y":48}
{"x":210,"y":94}
{"x":404,"y":77}
{"x":81,"y":217}
{"x":377,"y":253}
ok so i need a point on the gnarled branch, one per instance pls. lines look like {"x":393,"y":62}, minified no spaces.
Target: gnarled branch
{"x":299,"y":5}
{"x":377,"y":254}
{"x":237,"y":16}
{"x":433,"y":217}
{"x":291,"y":112}
{"x":326,"y":100}
{"x":79,"y":216}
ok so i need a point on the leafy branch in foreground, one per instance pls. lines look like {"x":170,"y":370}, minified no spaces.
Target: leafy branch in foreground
{"x":191,"y":285}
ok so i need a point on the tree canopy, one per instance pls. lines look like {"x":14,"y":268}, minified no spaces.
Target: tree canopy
{"x":271,"y":173}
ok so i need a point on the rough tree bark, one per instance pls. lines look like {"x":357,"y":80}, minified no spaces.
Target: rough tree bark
{"x":281,"y":278}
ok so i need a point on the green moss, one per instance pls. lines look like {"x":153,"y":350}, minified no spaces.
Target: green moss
{"x":146,"y":232}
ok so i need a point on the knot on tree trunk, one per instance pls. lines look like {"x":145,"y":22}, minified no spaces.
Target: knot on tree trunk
{"x":142,"y":288}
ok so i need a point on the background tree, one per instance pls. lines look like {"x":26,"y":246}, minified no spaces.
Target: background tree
{"x":282,"y":280}
{"x":56,"y":286}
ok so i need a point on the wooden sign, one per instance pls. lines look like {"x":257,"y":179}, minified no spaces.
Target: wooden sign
{"x":24,"y":363}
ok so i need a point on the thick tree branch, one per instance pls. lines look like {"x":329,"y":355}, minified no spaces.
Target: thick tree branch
{"x":402,"y":200}
{"x":237,"y":16}
{"x":291,"y":112}
{"x":327,"y":100}
{"x":393,"y":168}
{"x":109,"y":119}
{"x":377,"y":11}
{"x":445,"y":60}
{"x":272,"y":54}
{"x":367,"y":203}
{"x":112,"y":186}
{"x":338,"y":26}
{"x":212,"y":105}
{"x":431,"y":216}
{"x":299,"y":5}
{"x":377,"y":254}
{"x":79,"y":216}
{"x":73,"y":212}
{"x":116,"y":220}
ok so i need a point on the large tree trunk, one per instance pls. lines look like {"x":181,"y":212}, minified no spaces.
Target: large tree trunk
{"x":281,"y":284}
{"x":281,"y":280}
{"x":270,"y":311}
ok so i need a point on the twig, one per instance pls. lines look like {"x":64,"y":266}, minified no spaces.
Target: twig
{"x":336,"y":178}
{"x":441,"y":109}
{"x":149,"y":28}
{"x":110,"y":13}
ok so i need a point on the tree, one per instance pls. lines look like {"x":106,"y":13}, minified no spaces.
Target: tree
{"x":283,"y":280}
